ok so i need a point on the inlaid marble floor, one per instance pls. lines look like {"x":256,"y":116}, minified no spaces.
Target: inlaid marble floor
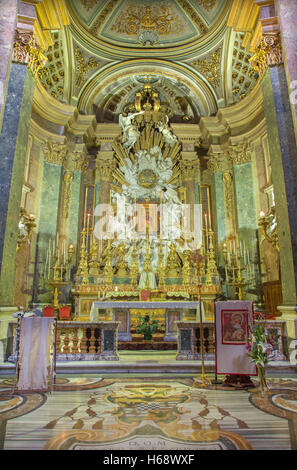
{"x":152,"y":412}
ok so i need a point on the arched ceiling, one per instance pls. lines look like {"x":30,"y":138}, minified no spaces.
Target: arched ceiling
{"x":184,"y":48}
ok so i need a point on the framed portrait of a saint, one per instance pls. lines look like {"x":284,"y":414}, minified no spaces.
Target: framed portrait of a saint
{"x":233,"y":318}
{"x":234,"y":324}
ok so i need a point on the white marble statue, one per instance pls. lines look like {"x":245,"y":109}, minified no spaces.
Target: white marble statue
{"x":129,"y":130}
{"x":170,"y":138}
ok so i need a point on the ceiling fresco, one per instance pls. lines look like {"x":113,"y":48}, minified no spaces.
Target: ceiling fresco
{"x":183,"y":47}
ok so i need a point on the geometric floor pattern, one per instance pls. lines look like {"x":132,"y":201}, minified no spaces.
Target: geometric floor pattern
{"x":148,"y":413}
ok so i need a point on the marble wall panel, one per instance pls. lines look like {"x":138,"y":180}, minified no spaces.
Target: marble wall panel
{"x":74,"y":209}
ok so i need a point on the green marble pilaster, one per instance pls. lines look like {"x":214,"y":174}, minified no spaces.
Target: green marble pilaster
{"x":49,"y":199}
{"x":13,"y":145}
{"x":220,"y":207}
{"x":245,"y":200}
{"x":282,"y":147}
{"x":74,"y":209}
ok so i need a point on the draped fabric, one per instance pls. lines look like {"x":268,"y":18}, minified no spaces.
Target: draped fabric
{"x":232,"y":321}
{"x":36,"y":338}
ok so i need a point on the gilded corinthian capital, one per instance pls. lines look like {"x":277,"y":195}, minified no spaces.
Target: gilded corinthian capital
{"x":105,"y":169}
{"x":239,"y":154}
{"x":189,"y":168}
{"x":27,"y":51}
{"x":268,"y":53}
{"x":216,"y":162}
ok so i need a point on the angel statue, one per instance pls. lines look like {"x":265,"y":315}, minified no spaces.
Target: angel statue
{"x":130,"y":131}
{"x":170,"y":138}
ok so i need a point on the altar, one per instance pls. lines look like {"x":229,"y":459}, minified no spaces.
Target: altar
{"x":162,"y":315}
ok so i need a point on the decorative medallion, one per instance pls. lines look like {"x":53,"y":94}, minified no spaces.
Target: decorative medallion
{"x":147,"y":178}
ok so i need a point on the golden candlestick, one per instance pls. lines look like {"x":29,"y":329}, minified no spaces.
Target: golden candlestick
{"x":205,"y":381}
{"x":237,"y":262}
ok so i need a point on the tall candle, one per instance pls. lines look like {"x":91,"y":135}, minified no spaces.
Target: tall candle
{"x":88,"y":223}
{"x":206,"y":225}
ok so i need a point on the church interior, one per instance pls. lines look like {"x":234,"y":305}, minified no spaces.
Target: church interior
{"x":148,"y":179}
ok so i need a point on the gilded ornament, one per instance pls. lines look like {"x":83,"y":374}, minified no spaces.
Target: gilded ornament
{"x":83,"y":67}
{"x":229,"y":198}
{"x":27,"y":51}
{"x":215,"y":163}
{"x":239,"y":154}
{"x":54,"y":152}
{"x":67,"y":183}
{"x":158,"y":18}
{"x":211,"y":67}
{"x":268,"y":53}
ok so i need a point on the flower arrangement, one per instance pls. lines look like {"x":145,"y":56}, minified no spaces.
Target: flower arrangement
{"x":260,"y":347}
{"x":147,"y":327}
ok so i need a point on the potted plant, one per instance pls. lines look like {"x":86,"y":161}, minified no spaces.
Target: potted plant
{"x":259,"y":349}
{"x":147,"y":327}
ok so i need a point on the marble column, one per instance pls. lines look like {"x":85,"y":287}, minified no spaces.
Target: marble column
{"x":8,"y":21}
{"x":13,"y":144}
{"x":287,"y":15}
{"x":282,"y":146}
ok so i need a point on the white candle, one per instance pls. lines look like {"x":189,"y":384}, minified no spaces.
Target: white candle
{"x":226,"y":271}
{"x":206,"y":224}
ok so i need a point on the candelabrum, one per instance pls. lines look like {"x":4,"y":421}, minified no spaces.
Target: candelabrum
{"x":134,"y":269}
{"x":269,"y":226}
{"x":58,"y":266}
{"x":238,"y":269}
{"x":196,"y":258}
{"x":161,"y":266}
{"x":212,"y":270}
